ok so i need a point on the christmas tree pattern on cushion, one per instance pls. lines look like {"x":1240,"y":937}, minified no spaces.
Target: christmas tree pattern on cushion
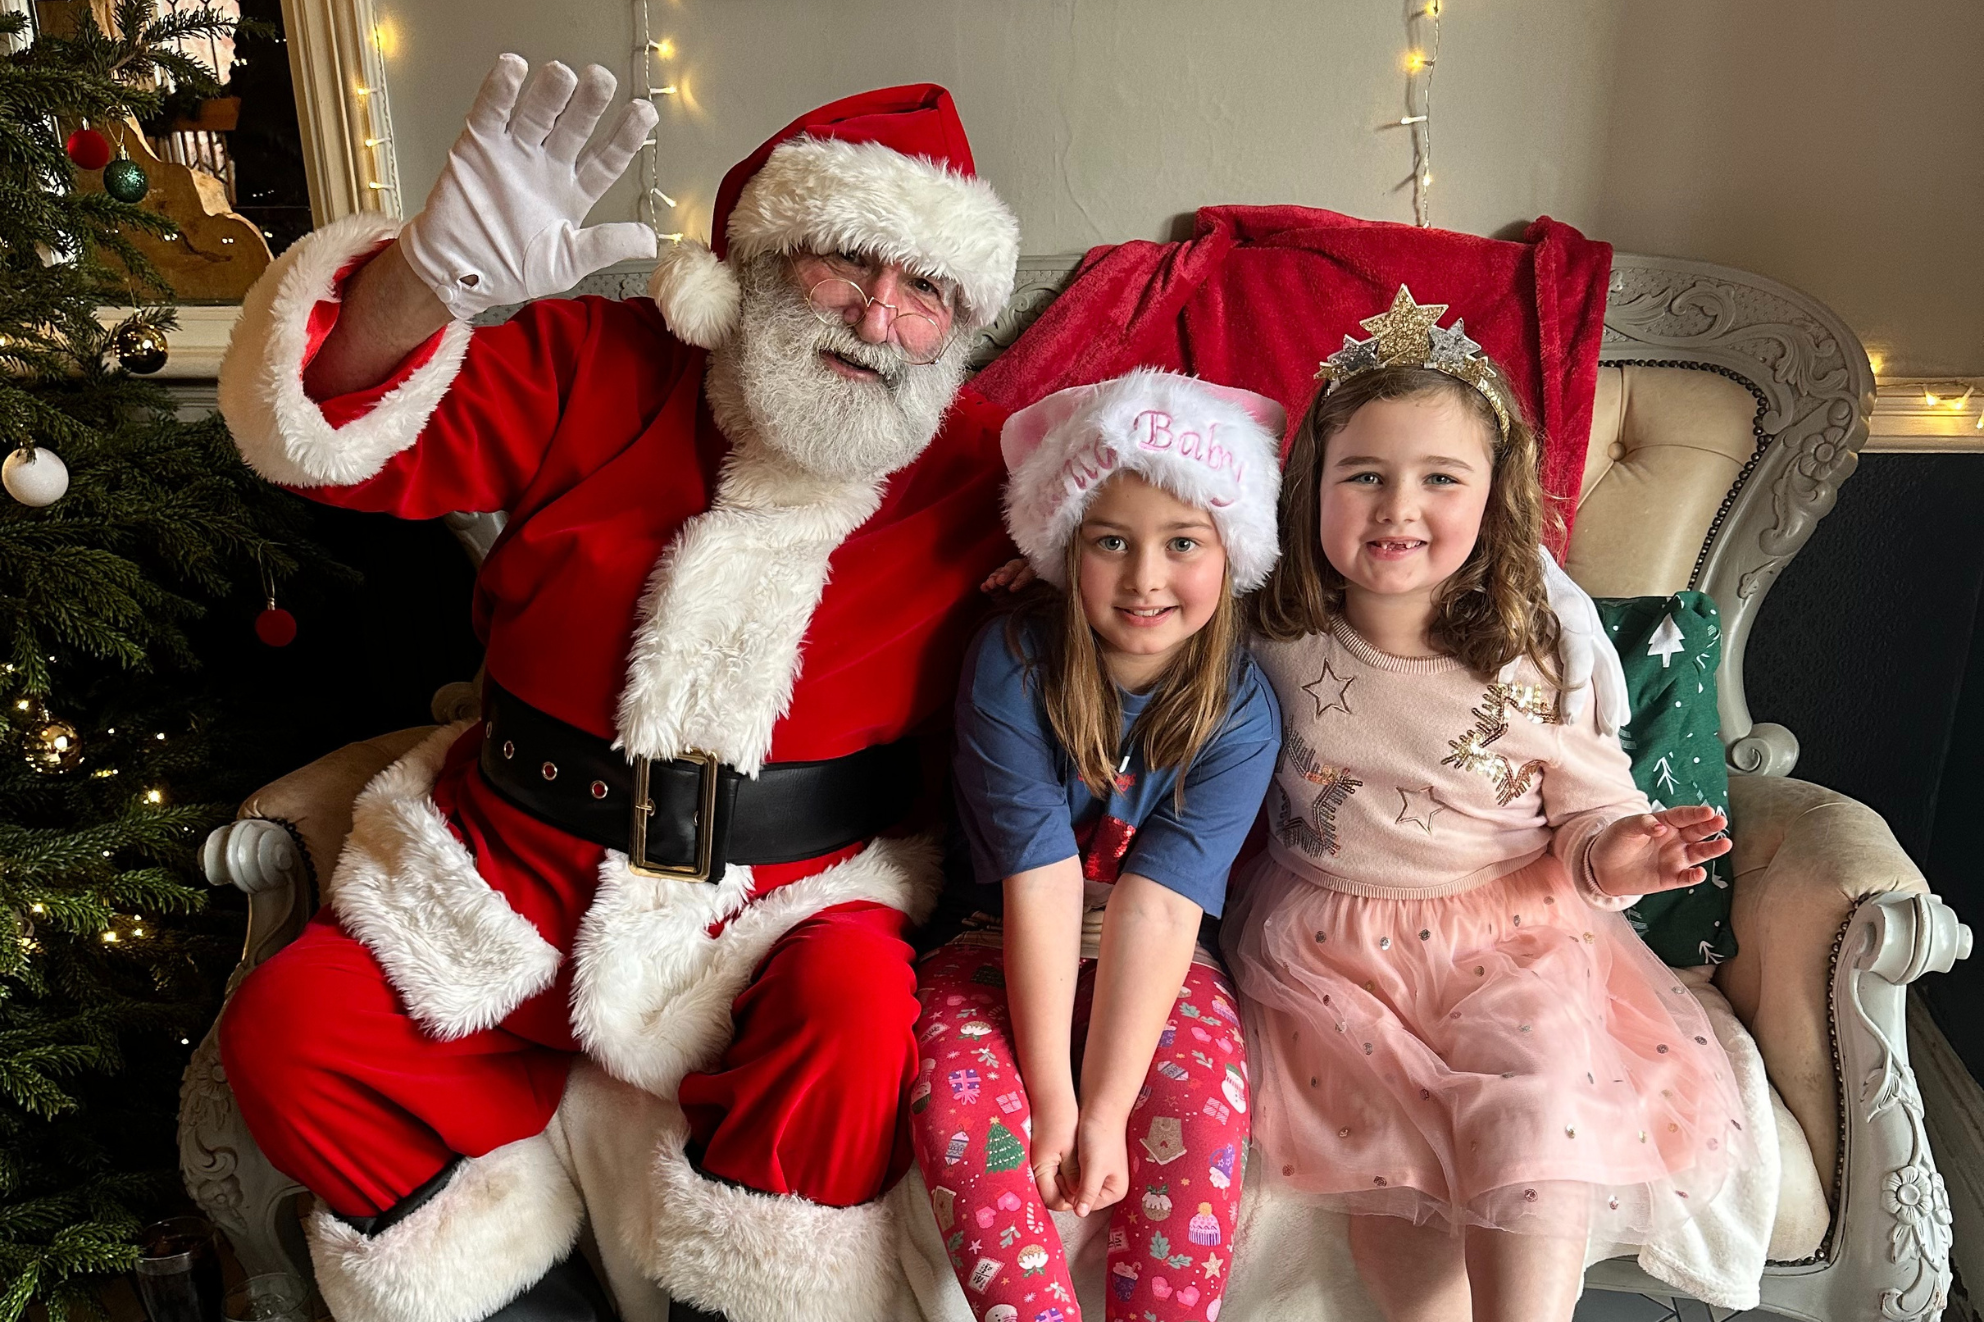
{"x":1670,"y":648}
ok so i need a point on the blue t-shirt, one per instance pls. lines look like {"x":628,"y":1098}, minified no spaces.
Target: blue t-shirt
{"x":1023,"y":805}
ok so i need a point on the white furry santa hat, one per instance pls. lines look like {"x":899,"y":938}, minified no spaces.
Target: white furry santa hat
{"x":887,"y":172}
{"x":1216,"y":447}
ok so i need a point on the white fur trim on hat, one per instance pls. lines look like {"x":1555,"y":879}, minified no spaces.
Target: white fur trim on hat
{"x":823,"y":194}
{"x":1212,"y":446}
{"x":697,"y":294}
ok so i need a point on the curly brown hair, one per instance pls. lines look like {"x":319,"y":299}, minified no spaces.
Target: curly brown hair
{"x":1494,"y":608}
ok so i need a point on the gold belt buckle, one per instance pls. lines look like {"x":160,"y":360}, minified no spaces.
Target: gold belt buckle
{"x":637,"y":854}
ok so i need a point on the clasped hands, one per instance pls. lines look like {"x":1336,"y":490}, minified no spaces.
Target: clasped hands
{"x":1080,"y":1155}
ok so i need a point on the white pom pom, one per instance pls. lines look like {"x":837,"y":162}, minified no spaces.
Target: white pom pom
{"x":697,"y":294}
{"x":35,"y":476}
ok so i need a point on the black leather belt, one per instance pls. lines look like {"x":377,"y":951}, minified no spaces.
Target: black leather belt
{"x":700,"y":815}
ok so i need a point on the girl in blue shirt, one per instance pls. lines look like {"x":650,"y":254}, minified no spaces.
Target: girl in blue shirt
{"x":1114,"y":745}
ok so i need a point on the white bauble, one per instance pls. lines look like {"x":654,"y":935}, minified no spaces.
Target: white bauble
{"x":35,"y":476}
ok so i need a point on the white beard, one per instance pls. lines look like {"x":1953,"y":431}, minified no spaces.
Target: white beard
{"x":767,"y":383}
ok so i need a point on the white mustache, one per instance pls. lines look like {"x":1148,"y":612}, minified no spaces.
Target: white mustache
{"x":886,"y":360}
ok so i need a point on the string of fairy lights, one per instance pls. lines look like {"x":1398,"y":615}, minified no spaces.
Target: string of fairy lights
{"x":376,"y":107}
{"x":654,"y":56}
{"x":1953,"y":397}
{"x":1422,"y":58}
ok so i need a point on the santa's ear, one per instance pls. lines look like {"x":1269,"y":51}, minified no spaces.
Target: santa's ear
{"x":698,"y":295}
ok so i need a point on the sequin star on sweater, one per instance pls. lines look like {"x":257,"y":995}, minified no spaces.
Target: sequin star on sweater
{"x":1413,"y":777}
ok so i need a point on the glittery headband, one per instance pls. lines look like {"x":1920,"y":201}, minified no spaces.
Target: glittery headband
{"x":1407,"y":336}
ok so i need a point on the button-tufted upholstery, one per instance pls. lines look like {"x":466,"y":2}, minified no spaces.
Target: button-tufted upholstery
{"x":1667,"y":444}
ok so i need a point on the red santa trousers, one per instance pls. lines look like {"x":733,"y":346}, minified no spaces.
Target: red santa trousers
{"x":349,"y":1096}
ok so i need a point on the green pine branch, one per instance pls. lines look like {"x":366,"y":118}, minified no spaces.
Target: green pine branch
{"x":111,"y":957}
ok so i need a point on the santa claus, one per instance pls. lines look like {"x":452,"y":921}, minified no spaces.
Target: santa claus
{"x":746,"y":521}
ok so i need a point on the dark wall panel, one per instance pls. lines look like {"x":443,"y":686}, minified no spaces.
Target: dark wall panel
{"x":1867,"y":649}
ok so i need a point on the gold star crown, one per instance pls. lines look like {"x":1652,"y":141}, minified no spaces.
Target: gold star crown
{"x":1408,"y":335}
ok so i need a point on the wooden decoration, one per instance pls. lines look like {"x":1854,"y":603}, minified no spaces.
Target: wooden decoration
{"x":214,"y":253}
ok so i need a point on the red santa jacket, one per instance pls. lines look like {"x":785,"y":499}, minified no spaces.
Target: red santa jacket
{"x":652,"y":585}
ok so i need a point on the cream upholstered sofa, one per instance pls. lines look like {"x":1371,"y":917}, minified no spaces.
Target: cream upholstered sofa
{"x":1729,"y":410}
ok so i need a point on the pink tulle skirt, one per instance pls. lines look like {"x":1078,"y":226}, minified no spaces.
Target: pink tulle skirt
{"x":1508,"y":1057}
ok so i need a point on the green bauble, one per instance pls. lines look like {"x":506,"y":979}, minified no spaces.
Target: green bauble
{"x":125,"y":180}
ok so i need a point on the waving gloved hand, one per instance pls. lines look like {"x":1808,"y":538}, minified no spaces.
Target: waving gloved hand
{"x":1591,"y":668}
{"x":502,"y":224}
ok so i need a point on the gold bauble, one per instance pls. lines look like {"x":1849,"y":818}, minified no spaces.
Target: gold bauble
{"x":139,"y":348}
{"x":53,"y":745}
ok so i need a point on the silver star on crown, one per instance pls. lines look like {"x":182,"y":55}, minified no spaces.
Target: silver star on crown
{"x":1408,"y":335}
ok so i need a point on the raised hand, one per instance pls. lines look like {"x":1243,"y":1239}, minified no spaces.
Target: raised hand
{"x":503,"y":222}
{"x":1658,"y":851}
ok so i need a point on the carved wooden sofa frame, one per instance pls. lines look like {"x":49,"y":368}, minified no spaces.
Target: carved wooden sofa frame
{"x":1832,"y":918}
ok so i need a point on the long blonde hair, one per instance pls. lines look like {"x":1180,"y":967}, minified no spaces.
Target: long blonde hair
{"x":1188,"y":703}
{"x":1494,"y":608}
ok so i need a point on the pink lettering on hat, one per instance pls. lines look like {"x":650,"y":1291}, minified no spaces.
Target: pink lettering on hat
{"x":1089,"y":465}
{"x":1157,"y":430}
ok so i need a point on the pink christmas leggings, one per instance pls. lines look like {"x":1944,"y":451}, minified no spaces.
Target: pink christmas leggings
{"x":1170,"y":1239}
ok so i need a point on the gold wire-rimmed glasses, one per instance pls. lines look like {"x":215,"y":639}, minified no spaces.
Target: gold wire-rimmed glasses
{"x":919,"y":335}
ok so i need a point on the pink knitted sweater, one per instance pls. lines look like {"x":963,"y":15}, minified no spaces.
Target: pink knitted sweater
{"x":1411,"y":777}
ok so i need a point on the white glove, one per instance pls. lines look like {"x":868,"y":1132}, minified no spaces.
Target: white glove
{"x":502,"y":224}
{"x":1590,"y":663}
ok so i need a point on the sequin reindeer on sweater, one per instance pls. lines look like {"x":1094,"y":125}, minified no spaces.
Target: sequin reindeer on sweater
{"x":1473,"y":751}
{"x":1335,"y":786}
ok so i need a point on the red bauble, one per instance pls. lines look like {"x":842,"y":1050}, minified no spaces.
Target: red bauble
{"x":276,"y":627}
{"x":89,"y":149}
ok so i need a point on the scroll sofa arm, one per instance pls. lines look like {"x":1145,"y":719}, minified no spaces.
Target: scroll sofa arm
{"x":1806,"y":861}
{"x":290,"y":832}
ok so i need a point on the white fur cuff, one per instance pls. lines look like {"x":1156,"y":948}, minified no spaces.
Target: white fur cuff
{"x":279,"y":429}
{"x":758,"y":1257}
{"x":503,"y":1221}
{"x":456,"y":952}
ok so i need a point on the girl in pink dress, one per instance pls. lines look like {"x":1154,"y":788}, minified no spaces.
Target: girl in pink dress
{"x":1457,"y":1037}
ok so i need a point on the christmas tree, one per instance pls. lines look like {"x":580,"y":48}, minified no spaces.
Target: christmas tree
{"x":128,"y":529}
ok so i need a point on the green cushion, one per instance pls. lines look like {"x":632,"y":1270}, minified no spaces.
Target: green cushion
{"x":1670,"y":647}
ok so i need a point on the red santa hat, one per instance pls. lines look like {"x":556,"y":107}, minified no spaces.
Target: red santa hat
{"x":887,"y":172}
{"x":1216,"y":447}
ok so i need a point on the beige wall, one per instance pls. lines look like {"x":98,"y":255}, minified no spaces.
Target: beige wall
{"x":1836,"y":146}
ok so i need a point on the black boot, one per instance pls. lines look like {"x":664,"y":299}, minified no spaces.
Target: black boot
{"x":569,"y":1292}
{"x":681,"y":1312}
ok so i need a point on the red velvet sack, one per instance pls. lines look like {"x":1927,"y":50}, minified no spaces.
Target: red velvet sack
{"x":1261,"y":295}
